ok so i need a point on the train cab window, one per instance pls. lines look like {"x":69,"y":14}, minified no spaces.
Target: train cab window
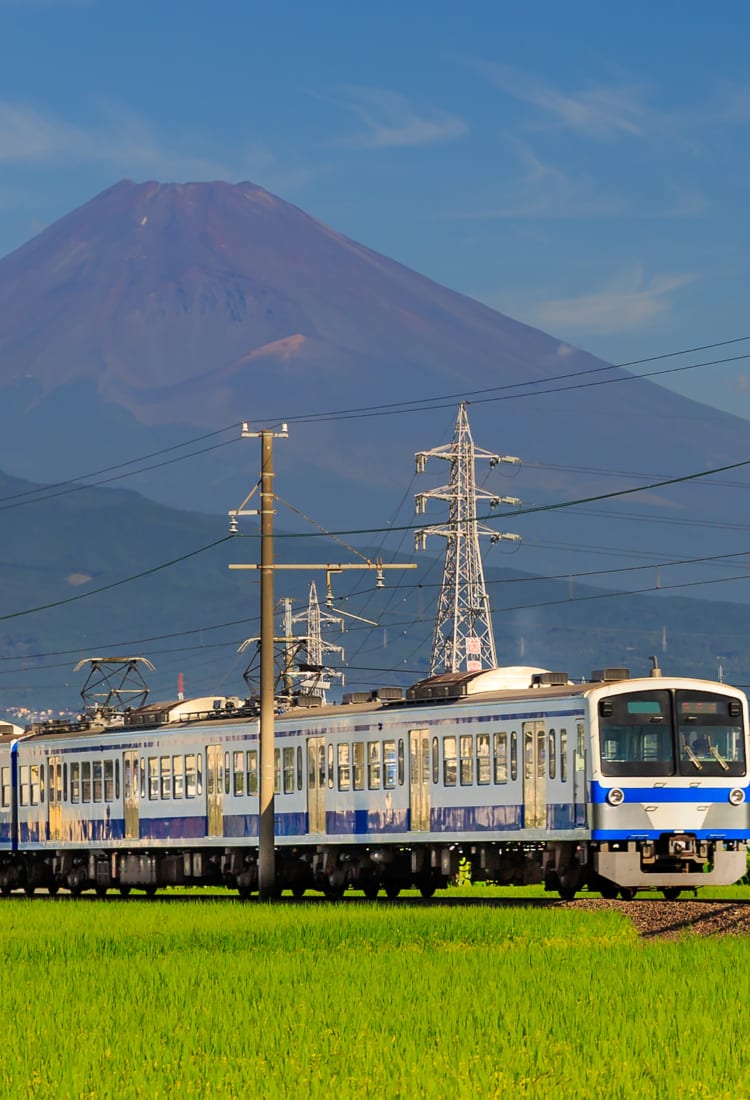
{"x":389,"y":764}
{"x":449,"y":761}
{"x":75,"y":782}
{"x":289,"y":769}
{"x":178,"y":777}
{"x":709,"y":734}
{"x":552,"y":755}
{"x":300,"y":772}
{"x":466,"y":743}
{"x":500,"y":751}
{"x":345,"y":778}
{"x":277,"y":771}
{"x":563,"y":756}
{"x":109,"y":780}
{"x":86,"y":781}
{"x":252,"y":771}
{"x":401,"y":762}
{"x":635,"y":734}
{"x":153,"y":777}
{"x":190,"y":775}
{"x":97,"y":772}
{"x":227,"y":774}
{"x":513,"y":755}
{"x":238,"y":774}
{"x":165,"y":777}
{"x":358,"y":762}
{"x":483,"y":758}
{"x":373,"y":765}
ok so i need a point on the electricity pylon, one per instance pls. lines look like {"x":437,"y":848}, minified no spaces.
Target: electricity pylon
{"x":463,"y":637}
{"x":315,"y":675}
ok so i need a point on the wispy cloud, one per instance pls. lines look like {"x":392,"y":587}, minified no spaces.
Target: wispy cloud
{"x":129,"y":144}
{"x":389,"y":120}
{"x":629,"y":303}
{"x":601,"y":111}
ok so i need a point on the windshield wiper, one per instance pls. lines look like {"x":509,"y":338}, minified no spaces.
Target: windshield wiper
{"x":691,"y":755}
{"x":717,"y":756}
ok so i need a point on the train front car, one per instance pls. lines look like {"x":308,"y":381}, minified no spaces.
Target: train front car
{"x":669,"y":785}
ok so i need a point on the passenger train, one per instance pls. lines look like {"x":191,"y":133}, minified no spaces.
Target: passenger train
{"x":614,"y":784}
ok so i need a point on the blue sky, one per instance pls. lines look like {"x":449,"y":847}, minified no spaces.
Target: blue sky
{"x":583,"y":167}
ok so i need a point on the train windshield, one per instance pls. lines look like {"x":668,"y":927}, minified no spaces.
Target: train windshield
{"x":694,"y":733}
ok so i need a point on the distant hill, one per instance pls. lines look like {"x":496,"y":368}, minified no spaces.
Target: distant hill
{"x":191,"y":616}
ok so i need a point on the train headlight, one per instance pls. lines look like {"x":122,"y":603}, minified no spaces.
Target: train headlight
{"x":736,"y":796}
{"x":615,"y":796}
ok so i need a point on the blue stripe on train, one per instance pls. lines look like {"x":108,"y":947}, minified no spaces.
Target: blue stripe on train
{"x":664,"y":794}
{"x":654,"y":834}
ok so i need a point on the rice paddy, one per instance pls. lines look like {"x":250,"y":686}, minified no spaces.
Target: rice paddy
{"x":239,"y":1000}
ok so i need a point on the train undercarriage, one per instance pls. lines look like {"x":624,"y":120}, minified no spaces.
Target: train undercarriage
{"x":671,"y":864}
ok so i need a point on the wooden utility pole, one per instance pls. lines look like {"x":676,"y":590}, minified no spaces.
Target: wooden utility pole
{"x":266,"y":829}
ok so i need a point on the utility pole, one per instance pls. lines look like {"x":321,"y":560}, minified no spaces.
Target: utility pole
{"x":463,"y":638}
{"x":267,"y":566}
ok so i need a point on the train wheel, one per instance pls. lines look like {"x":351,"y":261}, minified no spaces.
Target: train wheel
{"x":392,"y":890}
{"x":371,"y":889}
{"x":150,"y":890}
{"x":627,"y":893}
{"x":567,"y":893}
{"x":53,"y":888}
{"x":427,"y":887}
{"x":5,"y":889}
{"x":298,"y":891}
{"x":124,"y":891}
{"x":671,"y":893}
{"x":29,"y":889}
{"x":101,"y":891}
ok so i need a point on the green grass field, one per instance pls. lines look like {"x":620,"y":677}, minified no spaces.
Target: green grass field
{"x":228,"y":999}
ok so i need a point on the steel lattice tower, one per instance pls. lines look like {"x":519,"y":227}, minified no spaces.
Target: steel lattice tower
{"x":463,"y":637}
{"x":315,"y":674}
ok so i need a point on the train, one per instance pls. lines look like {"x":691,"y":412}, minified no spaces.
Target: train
{"x":518,"y":775}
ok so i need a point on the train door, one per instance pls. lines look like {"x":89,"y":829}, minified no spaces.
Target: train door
{"x":131,"y":792}
{"x":316,"y":784}
{"x":54,"y":799}
{"x":215,"y":790}
{"x":419,"y":780}
{"x":579,"y":776}
{"x":534,"y":776}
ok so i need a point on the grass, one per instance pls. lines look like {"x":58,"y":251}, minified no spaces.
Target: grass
{"x":231,"y":1000}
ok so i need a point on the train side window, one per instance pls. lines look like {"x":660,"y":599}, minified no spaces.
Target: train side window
{"x":580,"y":748}
{"x":24,"y":782}
{"x":86,"y":781}
{"x":97,"y":772}
{"x":238,"y":774}
{"x":563,"y":756}
{"x":552,"y":755}
{"x":153,"y":777}
{"x":117,"y":780}
{"x":373,"y":765}
{"x":466,"y":745}
{"x":513,"y":755}
{"x":289,"y":769}
{"x":483,"y":758}
{"x":65,"y":782}
{"x":143,"y":778}
{"x":6,"y":787}
{"x":227,"y":774}
{"x":330,"y":767}
{"x":344,"y":767}
{"x":435,"y":760}
{"x":109,"y":780}
{"x":401,"y":762}
{"x":389,"y":764}
{"x":199,"y":773}
{"x":75,"y":782}
{"x":300,"y":771}
{"x":190,"y":775}
{"x":165,"y":777}
{"x":41,"y":782}
{"x":277,"y":771}
{"x":252,"y":771}
{"x":500,"y":748}
{"x":178,"y":777}
{"x":358,"y":761}
{"x":449,"y":761}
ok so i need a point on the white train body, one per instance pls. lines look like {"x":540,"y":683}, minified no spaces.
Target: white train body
{"x":614,"y":784}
